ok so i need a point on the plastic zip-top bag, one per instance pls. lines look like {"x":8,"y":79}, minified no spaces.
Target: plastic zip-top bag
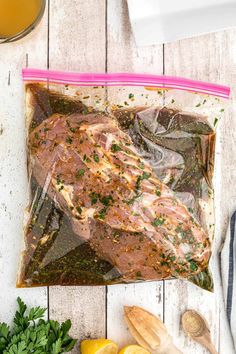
{"x":120,"y":169}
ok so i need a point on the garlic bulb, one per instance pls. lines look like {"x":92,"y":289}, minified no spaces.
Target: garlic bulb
{"x":149,"y":331}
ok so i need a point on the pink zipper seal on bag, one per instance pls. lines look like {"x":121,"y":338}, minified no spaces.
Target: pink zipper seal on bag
{"x":125,"y":79}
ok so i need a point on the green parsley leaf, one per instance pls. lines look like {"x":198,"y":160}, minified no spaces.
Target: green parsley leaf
{"x":193,"y":266}
{"x":141,"y":166}
{"x":158,"y":222}
{"x":115,"y":148}
{"x":69,"y":140}
{"x":96,"y":158}
{"x":215,"y":121}
{"x":32,"y":334}
{"x":145,"y":175}
{"x":172,"y":258}
{"x":94,"y":197}
{"x":79,"y":209}
{"x":36,"y":135}
{"x":86,"y":159}
{"x":106,"y":200}
{"x":35,"y":313}
{"x":102,"y":213}
{"x":80,"y":173}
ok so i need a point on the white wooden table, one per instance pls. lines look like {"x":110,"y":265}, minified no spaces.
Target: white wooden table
{"x":87,"y":35}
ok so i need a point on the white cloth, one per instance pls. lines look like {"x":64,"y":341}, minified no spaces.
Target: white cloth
{"x":160,"y":21}
{"x":228,"y":275}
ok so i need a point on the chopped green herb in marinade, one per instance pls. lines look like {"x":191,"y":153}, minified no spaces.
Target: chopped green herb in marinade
{"x":115,"y":148}
{"x":216,"y":121}
{"x":142,"y":177}
{"x":102,"y":213}
{"x":158,"y":221}
{"x":36,"y":135}
{"x":69,"y":140}
{"x":96,"y":158}
{"x":80,"y":173}
{"x":94,"y":197}
{"x":106,"y":200}
{"x":193,"y":266}
{"x":141,"y":165}
{"x":79,"y":209}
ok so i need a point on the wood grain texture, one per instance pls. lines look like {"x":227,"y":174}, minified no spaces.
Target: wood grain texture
{"x":13,"y":176}
{"x":148,"y":296}
{"x":85,"y":306}
{"x":77,"y":43}
{"x":77,"y":39}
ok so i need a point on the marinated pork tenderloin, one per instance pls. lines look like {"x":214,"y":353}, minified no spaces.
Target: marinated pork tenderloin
{"x":92,"y":171}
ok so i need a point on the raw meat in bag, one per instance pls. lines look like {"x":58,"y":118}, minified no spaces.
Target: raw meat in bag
{"x":121,"y":178}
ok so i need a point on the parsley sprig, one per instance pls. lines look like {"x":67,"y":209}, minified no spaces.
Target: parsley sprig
{"x":32,"y":334}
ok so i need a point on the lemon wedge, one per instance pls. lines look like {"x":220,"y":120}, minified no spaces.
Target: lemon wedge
{"x":133,"y":349}
{"x":98,"y":346}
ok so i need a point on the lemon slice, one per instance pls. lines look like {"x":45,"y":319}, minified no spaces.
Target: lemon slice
{"x":98,"y":346}
{"x":133,"y":349}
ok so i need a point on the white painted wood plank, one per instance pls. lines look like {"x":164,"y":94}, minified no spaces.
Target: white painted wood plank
{"x":85,"y":306}
{"x":77,"y":43}
{"x":208,"y":58}
{"x":13,"y":173}
{"x":77,"y":35}
{"x":148,"y":296}
{"x":123,"y":56}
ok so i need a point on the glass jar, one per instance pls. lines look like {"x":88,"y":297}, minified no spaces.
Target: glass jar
{"x":29,"y":15}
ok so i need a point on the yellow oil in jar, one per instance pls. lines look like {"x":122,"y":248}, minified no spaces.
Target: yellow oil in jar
{"x":17,"y":15}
